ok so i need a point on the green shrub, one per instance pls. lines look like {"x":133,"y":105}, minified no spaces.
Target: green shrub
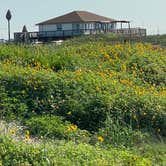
{"x":115,"y":91}
{"x":93,"y":80}
{"x":21,"y":153}
{"x":56,"y":127}
{"x":48,"y":126}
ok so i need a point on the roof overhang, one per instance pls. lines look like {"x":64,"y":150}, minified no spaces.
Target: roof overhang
{"x":76,"y":22}
{"x":106,"y":21}
{"x":121,"y":21}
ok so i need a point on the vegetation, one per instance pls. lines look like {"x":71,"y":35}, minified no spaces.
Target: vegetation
{"x":93,"y":102}
{"x":113,"y":38}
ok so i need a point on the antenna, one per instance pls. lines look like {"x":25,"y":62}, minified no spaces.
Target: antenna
{"x":158,"y":30}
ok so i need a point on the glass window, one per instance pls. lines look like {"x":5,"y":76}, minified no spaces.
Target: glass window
{"x":59,"y":27}
{"x":88,"y":26}
{"x":85,"y":26}
{"x":76,"y":26}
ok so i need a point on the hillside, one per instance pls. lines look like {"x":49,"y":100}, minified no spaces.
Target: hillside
{"x":87,"y":98}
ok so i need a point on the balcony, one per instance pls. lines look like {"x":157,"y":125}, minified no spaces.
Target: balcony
{"x":55,"y":35}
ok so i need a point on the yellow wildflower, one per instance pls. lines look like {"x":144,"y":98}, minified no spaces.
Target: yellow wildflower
{"x":12,"y":131}
{"x":27,"y":135}
{"x":27,"y":132}
{"x":114,"y":82}
{"x":124,"y":67}
{"x":68,"y":128}
{"x":72,"y":127}
{"x":145,"y":113}
{"x":69,"y":113}
{"x":100,"y":139}
{"x":135,"y":157}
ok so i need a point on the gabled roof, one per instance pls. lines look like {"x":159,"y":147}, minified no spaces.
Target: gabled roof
{"x":77,"y":16}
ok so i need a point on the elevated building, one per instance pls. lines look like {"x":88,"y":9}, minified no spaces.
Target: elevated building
{"x":73,"y":24}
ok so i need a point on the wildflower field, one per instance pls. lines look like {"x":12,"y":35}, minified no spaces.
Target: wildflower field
{"x":85,"y":102}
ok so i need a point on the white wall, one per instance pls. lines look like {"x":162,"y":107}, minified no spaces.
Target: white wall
{"x":53,"y":27}
{"x":69,"y":26}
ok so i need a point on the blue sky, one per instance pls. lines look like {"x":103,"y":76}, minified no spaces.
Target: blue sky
{"x":142,"y":13}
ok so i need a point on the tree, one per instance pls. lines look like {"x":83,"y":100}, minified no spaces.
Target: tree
{"x":8,"y":17}
{"x":24,"y":29}
{"x":24,"y":33}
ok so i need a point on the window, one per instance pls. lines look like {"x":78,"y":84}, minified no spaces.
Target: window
{"x":76,"y":26}
{"x":98,"y":26}
{"x":85,"y":26}
{"x":59,"y":27}
{"x":112,"y":26}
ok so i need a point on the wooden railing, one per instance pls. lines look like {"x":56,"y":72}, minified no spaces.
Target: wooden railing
{"x":19,"y":36}
{"x":130,"y":31}
{"x":54,"y":34}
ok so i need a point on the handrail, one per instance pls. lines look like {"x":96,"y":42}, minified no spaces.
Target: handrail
{"x":71,"y":33}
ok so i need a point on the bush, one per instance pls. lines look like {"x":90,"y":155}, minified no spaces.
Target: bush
{"x":48,"y":126}
{"x":94,"y":80}
{"x":115,"y":91}
{"x":57,"y":128}
{"x":21,"y":154}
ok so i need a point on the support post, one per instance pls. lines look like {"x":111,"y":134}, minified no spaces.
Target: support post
{"x":129,"y":28}
{"x":121,"y":27}
{"x":9,"y":30}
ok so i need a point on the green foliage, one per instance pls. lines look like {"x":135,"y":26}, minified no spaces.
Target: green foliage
{"x":114,"y":38}
{"x":116,"y":92}
{"x":10,"y":107}
{"x":56,"y":128}
{"x":91,"y":81}
{"x":21,"y":153}
{"x":154,"y":151}
{"x":117,"y":134}
{"x":50,"y":126}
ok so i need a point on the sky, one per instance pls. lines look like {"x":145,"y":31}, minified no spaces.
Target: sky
{"x":149,"y":14}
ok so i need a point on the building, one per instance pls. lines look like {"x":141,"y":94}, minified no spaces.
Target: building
{"x":78,"y":22}
{"x":71,"y":24}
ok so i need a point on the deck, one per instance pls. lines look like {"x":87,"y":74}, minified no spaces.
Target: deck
{"x":53,"y":35}
{"x":57,"y":35}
